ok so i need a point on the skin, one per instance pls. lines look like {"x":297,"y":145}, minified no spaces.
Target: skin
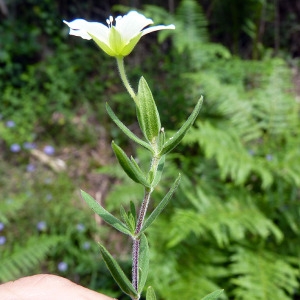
{"x":46,"y":287}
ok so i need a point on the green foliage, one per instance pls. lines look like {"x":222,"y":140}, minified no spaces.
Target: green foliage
{"x":260,"y":274}
{"x":234,"y":223}
{"x":38,"y":238}
{"x":22,"y":259}
{"x":104,"y":214}
{"x":213,"y":295}
{"x":150,"y":294}
{"x":117,"y":273}
{"x":11,"y":207}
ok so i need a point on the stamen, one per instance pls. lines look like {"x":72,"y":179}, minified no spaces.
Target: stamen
{"x":110,"y":21}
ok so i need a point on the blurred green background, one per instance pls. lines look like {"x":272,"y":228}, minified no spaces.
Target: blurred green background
{"x":234,"y":222}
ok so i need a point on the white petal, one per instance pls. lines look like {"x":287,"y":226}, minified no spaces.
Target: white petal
{"x":82,"y":28}
{"x":82,"y":34}
{"x":131,"y":25}
{"x":156,"y":28}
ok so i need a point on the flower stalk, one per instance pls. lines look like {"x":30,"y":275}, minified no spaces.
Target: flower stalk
{"x":121,"y":68}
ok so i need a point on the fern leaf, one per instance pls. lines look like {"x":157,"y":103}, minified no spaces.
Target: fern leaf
{"x":262,"y":275}
{"x":226,"y":221}
{"x":24,"y":258}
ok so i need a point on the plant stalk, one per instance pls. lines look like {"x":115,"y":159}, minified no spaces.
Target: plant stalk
{"x":120,"y":63}
{"x":136,"y":241}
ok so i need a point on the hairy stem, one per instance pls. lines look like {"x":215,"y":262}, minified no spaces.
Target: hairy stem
{"x":136,"y":242}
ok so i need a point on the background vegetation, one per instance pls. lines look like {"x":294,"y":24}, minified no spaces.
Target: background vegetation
{"x":235,"y":221}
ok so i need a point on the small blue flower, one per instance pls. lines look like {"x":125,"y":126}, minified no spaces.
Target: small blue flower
{"x":10,"y":124}
{"x":86,"y":245}
{"x":269,"y":157}
{"x":15,"y":148}
{"x":49,"y":150}
{"x":49,"y":197}
{"x":28,"y":145}
{"x":80,"y":227}
{"x":30,"y":168}
{"x":9,"y":201}
{"x":41,"y":226}
{"x":251,"y":152}
{"x":2,"y":240}
{"x":62,"y":266}
{"x":1,"y":226}
{"x":48,"y":181}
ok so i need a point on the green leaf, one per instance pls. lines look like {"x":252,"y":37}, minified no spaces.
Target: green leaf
{"x":160,"y":207}
{"x":214,"y":295}
{"x":143,"y":262}
{"x":130,"y":167}
{"x":150,"y":294}
{"x":129,"y":220}
{"x":159,"y":171}
{"x":104,"y":214}
{"x":130,"y":134}
{"x":117,"y":273}
{"x":133,"y":210}
{"x":171,"y":143}
{"x":147,"y":112}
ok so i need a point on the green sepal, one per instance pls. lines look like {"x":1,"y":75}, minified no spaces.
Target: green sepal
{"x":130,"y":134}
{"x":143,"y":262}
{"x":161,"y":139}
{"x":117,"y":273}
{"x":171,"y":143}
{"x":147,"y":112}
{"x":150,"y":294}
{"x":162,"y":204}
{"x":104,"y":214}
{"x":115,"y":41}
{"x":214,"y":295}
{"x":130,"y":167}
{"x":130,"y":46}
{"x":159,"y":171}
{"x":103,"y":45}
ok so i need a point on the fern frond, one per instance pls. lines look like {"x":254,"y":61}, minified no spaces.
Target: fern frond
{"x":226,"y":220}
{"x":24,"y":258}
{"x":262,"y":275}
{"x":189,"y":271}
{"x":232,"y":157}
{"x":190,"y":22}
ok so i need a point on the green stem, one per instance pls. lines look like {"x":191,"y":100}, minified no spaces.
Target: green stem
{"x":120,"y":63}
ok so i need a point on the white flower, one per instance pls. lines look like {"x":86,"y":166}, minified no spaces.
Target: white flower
{"x":118,"y":39}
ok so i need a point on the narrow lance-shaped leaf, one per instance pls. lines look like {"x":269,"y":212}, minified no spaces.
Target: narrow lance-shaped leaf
{"x":104,"y":214}
{"x":130,"y":167}
{"x":150,"y":294}
{"x":159,"y":171}
{"x":133,"y":210}
{"x":130,"y":134}
{"x":143,"y":262}
{"x":214,"y":295}
{"x":171,"y":143}
{"x":148,"y":115}
{"x":117,"y":273}
{"x":162,"y":204}
{"x":128,"y":220}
